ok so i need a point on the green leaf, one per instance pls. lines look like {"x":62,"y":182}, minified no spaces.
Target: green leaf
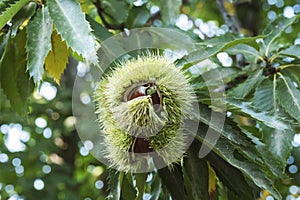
{"x":195,"y":171}
{"x":4,"y":4}
{"x":155,"y":187}
{"x":154,"y":38}
{"x":173,"y":180}
{"x":230,"y":176}
{"x":99,"y":31}
{"x":130,"y":1}
{"x":57,"y":59}
{"x":118,"y":10}
{"x":244,"y":49}
{"x":11,"y":11}
{"x":214,"y":77}
{"x":225,"y":127}
{"x":279,"y":144}
{"x":70,"y":23}
{"x":140,"y":184}
{"x":273,"y":163}
{"x":14,"y":81}
{"x":115,"y":180}
{"x":231,"y":137}
{"x":293,"y":73}
{"x":138,"y":16}
{"x":214,"y":46}
{"x":229,"y":153}
{"x":24,"y":83}
{"x":9,"y":78}
{"x":243,"y":89}
{"x":26,"y":12}
{"x":252,"y":133}
{"x":128,"y":191}
{"x":289,"y":97}
{"x":4,"y":40}
{"x":170,"y":11}
{"x":261,"y":138}
{"x":233,"y":134}
{"x":292,"y":51}
{"x":264,"y":96}
{"x":275,"y":29}
{"x":267,"y":118}
{"x":38,"y":45}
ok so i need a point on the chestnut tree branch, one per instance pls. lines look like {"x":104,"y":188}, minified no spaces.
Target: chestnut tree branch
{"x":230,"y":20}
{"x":233,"y":24}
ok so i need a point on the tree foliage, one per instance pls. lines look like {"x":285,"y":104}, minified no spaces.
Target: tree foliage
{"x":252,"y":47}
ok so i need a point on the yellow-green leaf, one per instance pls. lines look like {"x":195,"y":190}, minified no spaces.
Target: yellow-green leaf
{"x":71,"y":24}
{"x":57,"y":59}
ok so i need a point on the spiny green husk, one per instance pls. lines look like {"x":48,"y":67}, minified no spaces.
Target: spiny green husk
{"x":123,"y":120}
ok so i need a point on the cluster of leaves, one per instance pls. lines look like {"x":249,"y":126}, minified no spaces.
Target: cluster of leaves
{"x":39,"y":36}
{"x":262,"y":102}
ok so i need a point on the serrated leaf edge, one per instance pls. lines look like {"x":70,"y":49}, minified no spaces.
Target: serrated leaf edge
{"x":11,"y":11}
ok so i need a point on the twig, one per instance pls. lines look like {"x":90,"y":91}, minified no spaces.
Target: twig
{"x":153,"y":17}
{"x":230,"y":20}
{"x":233,"y":24}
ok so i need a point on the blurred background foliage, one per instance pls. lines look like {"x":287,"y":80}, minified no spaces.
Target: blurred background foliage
{"x":41,"y":154}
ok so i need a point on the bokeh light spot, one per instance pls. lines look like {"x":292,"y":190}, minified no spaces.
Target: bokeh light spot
{"x":40,"y":122}
{"x":288,"y":12}
{"x":294,"y":189}
{"x":293,"y":169}
{"x":38,"y":184}
{"x":296,"y":8}
{"x":269,"y":198}
{"x":3,"y":158}
{"x":25,"y":136}
{"x":147,"y":196}
{"x":225,"y":59}
{"x":48,"y":91}
{"x":85,"y":98}
{"x":184,"y":23}
{"x":16,"y":162}
{"x":4,"y":128}
{"x":272,"y":2}
{"x":296,"y":141}
{"x":154,"y":9}
{"x":290,"y":160}
{"x":88,"y":145}
{"x":99,"y":184}
{"x":279,"y":3}
{"x":70,"y":121}
{"x":83,"y":151}
{"x":13,"y":139}
{"x":19,"y":170}
{"x":9,"y":188}
{"x":47,"y":133}
{"x":46,"y":169}
{"x":272,"y":15}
